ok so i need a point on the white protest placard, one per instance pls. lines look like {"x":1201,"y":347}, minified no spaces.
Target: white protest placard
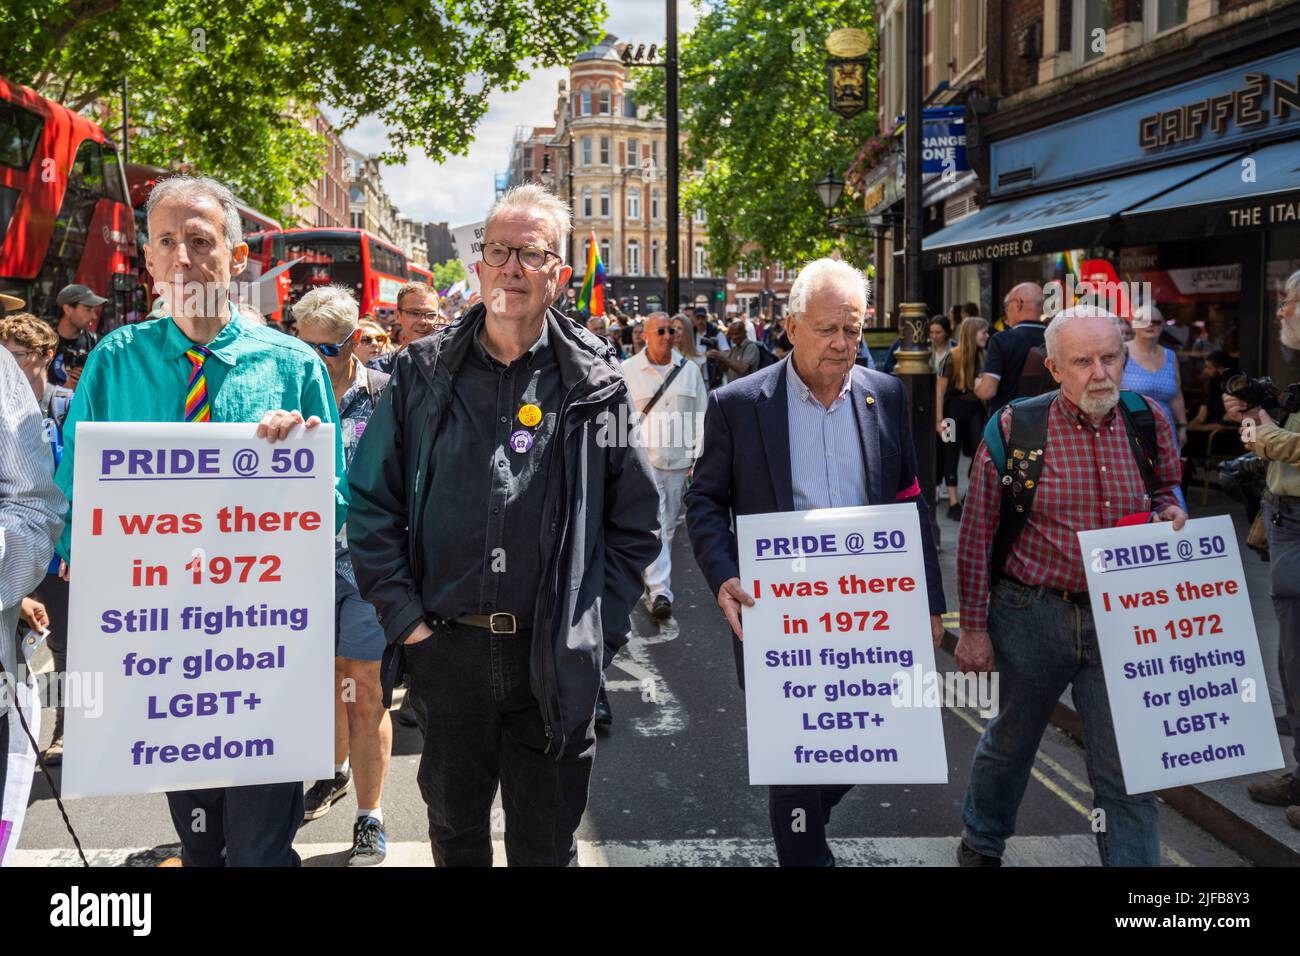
{"x":469,"y":246}
{"x":838,"y":648}
{"x":202,"y":592}
{"x":1186,"y":682}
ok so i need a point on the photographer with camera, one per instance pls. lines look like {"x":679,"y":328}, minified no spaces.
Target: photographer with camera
{"x":1260,"y":406}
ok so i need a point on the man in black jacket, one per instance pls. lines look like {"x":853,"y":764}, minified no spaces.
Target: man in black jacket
{"x":501,"y":533}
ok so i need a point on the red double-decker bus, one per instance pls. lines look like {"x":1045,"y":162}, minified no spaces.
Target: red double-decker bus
{"x":65,"y":215}
{"x":373,"y":269}
{"x":140,"y":181}
{"x":422,"y":275}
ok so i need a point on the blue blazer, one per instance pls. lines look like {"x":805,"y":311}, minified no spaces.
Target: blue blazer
{"x":744,"y":467}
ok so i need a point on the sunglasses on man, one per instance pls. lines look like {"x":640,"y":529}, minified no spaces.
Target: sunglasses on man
{"x":668,"y":331}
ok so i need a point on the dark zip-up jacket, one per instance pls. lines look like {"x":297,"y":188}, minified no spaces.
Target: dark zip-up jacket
{"x":599,"y":533}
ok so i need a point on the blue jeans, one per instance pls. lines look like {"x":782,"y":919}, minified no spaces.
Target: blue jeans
{"x":1041,"y":645}
{"x":1282,"y":518}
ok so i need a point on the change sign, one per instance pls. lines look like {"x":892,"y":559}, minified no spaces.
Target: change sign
{"x":837,"y":648}
{"x":1181,"y":659}
{"x":201,"y":590}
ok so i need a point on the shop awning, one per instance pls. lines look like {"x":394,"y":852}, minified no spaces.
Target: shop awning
{"x":1254,"y":191}
{"x":1072,"y":218}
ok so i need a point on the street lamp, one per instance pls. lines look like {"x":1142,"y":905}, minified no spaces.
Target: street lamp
{"x":830,"y":190}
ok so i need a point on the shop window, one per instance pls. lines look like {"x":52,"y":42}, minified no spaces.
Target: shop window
{"x":1161,"y":16}
{"x":1091,"y":20}
{"x":1281,"y":363}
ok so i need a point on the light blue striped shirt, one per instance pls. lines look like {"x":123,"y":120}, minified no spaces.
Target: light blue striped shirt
{"x":826,"y":466}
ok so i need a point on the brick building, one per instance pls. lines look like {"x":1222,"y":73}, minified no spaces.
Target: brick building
{"x":617,"y":190}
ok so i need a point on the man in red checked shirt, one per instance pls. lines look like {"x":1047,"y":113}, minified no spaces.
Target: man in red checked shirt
{"x":1031,"y":618}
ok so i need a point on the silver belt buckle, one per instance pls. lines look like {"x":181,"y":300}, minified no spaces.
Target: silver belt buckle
{"x":507,"y":628}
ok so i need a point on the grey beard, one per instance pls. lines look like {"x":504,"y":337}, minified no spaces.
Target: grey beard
{"x":1099,"y":406}
{"x":1290,"y":335}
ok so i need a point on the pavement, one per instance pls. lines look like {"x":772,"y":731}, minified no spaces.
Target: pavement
{"x":670,"y":785}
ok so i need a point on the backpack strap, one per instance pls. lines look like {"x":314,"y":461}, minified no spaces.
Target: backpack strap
{"x":1020,"y":463}
{"x":1140,"y":423}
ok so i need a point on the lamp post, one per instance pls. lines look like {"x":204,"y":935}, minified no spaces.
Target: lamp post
{"x":829,"y":190}
{"x":639,"y":57}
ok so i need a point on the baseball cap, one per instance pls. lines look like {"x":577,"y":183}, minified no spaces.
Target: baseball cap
{"x":78,"y":295}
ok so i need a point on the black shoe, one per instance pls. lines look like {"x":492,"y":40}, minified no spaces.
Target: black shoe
{"x":954,"y":512}
{"x":661,"y":608}
{"x":604,"y":715}
{"x":324,"y":794}
{"x":369,"y":843}
{"x":969,"y":856}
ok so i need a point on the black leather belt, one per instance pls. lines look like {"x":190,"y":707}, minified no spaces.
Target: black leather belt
{"x":500,"y":622}
{"x":1077,"y":598}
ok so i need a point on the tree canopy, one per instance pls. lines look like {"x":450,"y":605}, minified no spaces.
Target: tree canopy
{"x":225,"y":86}
{"x":759,"y":130}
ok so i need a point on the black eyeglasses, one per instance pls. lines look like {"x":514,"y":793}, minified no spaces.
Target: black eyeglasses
{"x":668,"y":332}
{"x":532,"y":258}
{"x":331,"y":351}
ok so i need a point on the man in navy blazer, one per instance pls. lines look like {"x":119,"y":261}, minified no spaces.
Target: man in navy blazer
{"x":812,"y":431}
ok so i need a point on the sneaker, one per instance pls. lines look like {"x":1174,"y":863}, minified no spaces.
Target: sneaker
{"x":369,"y":843}
{"x":1283,"y":791}
{"x":969,"y":856}
{"x":954,"y":512}
{"x":661,"y":608}
{"x":324,"y":794}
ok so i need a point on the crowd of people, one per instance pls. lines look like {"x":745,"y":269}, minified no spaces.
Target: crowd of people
{"x":500,"y":614}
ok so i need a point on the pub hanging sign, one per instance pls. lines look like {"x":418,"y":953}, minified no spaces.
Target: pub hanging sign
{"x":848,"y":71}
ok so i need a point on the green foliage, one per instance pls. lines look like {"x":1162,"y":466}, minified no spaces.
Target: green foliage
{"x":759,"y":128}
{"x":223,"y":86}
{"x":447,"y":274}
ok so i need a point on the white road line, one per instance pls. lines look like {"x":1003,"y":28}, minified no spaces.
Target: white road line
{"x":1071,"y":850}
{"x":669,"y":717}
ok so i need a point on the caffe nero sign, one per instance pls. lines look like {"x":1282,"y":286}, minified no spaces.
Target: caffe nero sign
{"x":1217,"y":112}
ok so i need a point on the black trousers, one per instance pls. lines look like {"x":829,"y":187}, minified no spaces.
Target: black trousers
{"x":968,"y":417}
{"x":484,"y":729}
{"x":53,"y":593}
{"x":254,"y":825}
{"x":799,"y":815}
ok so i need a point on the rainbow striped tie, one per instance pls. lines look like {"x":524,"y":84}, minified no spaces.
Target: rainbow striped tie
{"x":196,"y":392}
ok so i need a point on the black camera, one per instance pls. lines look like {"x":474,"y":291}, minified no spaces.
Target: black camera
{"x":1260,"y":392}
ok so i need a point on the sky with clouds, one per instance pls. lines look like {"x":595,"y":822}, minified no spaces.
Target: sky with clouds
{"x":461,"y":189}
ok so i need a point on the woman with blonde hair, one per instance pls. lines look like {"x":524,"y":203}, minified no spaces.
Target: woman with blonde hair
{"x":959,"y":414}
{"x":373,"y":342}
{"x":686,"y":343}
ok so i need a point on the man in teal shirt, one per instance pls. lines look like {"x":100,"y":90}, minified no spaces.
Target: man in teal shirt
{"x":203,"y":362}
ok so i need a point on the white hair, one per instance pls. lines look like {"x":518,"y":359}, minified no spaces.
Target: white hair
{"x":1064,"y":317}
{"x":1292,"y":286}
{"x":824,"y":272}
{"x":330,"y":307}
{"x":181,"y":185}
{"x":536,"y":200}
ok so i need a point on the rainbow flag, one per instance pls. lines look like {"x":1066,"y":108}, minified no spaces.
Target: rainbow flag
{"x":591,"y":298}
